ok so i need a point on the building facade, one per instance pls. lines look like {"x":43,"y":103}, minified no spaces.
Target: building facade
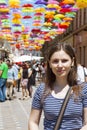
{"x":76,"y":35}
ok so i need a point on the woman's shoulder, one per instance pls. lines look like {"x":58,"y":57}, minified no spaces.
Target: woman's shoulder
{"x":84,"y":88}
{"x":41,"y":87}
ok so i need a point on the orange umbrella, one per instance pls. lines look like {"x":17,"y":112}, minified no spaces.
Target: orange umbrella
{"x":17,"y":15}
{"x":67,"y":19}
{"x":68,"y":1}
{"x":37,"y":24}
{"x":50,"y":16}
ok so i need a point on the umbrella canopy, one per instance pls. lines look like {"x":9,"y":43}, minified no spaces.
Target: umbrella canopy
{"x":24,"y":58}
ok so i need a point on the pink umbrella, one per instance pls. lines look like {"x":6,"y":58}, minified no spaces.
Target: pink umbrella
{"x":52,"y":2}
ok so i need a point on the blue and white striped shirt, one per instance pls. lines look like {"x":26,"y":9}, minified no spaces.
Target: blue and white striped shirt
{"x":73,"y":116}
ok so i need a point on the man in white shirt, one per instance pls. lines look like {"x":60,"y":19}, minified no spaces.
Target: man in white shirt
{"x":80,"y":74}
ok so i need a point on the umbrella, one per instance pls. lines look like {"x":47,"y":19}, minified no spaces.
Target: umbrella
{"x":24,"y":58}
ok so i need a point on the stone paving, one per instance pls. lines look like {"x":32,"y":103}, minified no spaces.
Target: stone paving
{"x":14,"y":114}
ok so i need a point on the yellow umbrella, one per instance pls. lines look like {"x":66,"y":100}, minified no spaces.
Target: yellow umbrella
{"x":81,"y":3}
{"x":41,"y":41}
{"x":53,"y":6}
{"x":25,"y":36}
{"x":50,"y":12}
{"x":27,"y":10}
{"x":16,"y":21}
{"x":14,"y":2}
{"x":26,"y":43}
{"x":52,"y":32}
{"x":39,"y":10}
{"x":59,"y":16}
{"x":4,"y":9}
{"x":47,"y":24}
{"x":23,"y":27}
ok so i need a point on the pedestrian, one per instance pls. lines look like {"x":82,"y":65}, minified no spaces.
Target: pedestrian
{"x":19,"y":79}
{"x":34,"y":72}
{"x":38,"y":72}
{"x":61,"y":74}
{"x":43,"y":70}
{"x":3,"y":78}
{"x":15,"y":67}
{"x":85,"y":72}
{"x":81,"y":73}
{"x":10,"y":82}
{"x":24,"y":82}
{"x":30,"y":80}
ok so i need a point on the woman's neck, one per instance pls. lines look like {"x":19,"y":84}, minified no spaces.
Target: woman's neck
{"x":60,"y":90}
{"x":61,"y":83}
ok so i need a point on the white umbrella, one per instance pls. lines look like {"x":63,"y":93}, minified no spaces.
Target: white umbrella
{"x":26,"y":58}
{"x":22,"y":58}
{"x":37,"y":57}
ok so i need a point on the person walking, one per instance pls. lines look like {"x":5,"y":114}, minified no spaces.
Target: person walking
{"x":30,"y":79}
{"x":19,"y":79}
{"x":61,"y":74}
{"x":24,"y":82}
{"x":81,"y":73}
{"x":10,"y":82}
{"x":3,"y":78}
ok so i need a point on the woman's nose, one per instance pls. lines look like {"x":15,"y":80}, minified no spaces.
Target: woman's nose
{"x":60,"y":64}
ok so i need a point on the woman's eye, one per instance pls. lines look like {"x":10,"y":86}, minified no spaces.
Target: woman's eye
{"x":55,"y":61}
{"x":63,"y":61}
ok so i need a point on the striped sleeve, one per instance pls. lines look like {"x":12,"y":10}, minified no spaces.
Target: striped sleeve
{"x":36,"y":103}
{"x":84,"y":95}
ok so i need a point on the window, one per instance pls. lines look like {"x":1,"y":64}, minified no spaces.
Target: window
{"x":84,"y":55}
{"x":80,"y":53}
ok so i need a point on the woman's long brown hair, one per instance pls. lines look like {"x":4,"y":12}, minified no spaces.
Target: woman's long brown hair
{"x":72,"y":76}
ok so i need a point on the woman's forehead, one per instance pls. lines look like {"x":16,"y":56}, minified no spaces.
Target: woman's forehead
{"x":60,"y":55}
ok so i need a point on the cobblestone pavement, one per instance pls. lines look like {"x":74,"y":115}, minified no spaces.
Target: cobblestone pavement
{"x":14,"y":114}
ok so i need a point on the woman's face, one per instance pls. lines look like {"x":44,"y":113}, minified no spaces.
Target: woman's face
{"x":60,"y":63}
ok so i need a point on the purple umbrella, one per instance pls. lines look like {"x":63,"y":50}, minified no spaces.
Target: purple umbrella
{"x":41,"y":2}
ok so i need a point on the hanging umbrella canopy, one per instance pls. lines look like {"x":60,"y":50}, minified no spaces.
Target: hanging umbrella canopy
{"x":81,"y":3}
{"x":52,"y":2}
{"x":24,"y":58}
{"x":40,"y":2}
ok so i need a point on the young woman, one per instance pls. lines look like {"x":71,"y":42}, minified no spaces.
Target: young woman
{"x":61,"y":74}
{"x":30,"y":80}
{"x":24,"y":81}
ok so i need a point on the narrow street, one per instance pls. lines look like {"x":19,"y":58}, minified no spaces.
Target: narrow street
{"x":14,"y":114}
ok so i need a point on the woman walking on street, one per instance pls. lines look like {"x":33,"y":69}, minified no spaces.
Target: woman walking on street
{"x":30,"y":80}
{"x":24,"y":81}
{"x":61,"y":74}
